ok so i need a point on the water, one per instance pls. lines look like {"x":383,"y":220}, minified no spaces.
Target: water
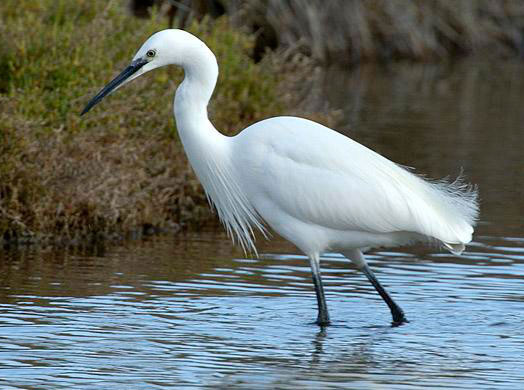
{"x":190,"y":311}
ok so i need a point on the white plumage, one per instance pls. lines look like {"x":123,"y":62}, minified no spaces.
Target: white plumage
{"x":342,"y":193}
{"x":313,"y":186}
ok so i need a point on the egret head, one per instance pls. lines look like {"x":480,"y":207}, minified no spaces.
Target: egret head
{"x":165,"y":47}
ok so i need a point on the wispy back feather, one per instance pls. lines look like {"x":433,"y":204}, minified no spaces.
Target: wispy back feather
{"x":452,"y":207}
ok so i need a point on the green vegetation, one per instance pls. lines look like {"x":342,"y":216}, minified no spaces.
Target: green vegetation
{"x":120,"y":168}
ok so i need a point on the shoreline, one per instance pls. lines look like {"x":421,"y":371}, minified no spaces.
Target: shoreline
{"x":121,"y":171}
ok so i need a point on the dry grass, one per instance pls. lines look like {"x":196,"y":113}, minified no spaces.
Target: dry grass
{"x":351,"y":31}
{"x":121,"y":168}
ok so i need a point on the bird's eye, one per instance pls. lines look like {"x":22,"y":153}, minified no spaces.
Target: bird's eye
{"x":150,"y":53}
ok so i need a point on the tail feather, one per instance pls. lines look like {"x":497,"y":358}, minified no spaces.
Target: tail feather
{"x":455,"y":208}
{"x":456,"y":249}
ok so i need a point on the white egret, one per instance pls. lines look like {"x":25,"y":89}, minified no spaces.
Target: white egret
{"x":313,"y":186}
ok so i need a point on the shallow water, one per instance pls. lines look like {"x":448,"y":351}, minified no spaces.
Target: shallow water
{"x":190,"y":311}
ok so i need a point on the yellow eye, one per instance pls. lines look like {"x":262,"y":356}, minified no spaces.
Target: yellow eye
{"x":150,"y":53}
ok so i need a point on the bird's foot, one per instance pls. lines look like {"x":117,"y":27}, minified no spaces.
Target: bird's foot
{"x":399,"y":320}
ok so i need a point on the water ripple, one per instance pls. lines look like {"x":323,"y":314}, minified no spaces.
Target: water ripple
{"x":157,"y":317}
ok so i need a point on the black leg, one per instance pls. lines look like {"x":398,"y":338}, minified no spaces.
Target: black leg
{"x":398,"y":314}
{"x":323,"y":316}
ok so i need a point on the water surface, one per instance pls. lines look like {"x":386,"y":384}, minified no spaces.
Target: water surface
{"x":190,"y":311}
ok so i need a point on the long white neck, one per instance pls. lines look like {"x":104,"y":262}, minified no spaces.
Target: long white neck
{"x":208,"y":151}
{"x":191,"y":100}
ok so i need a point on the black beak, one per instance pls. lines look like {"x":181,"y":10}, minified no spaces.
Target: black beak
{"x":126,"y":73}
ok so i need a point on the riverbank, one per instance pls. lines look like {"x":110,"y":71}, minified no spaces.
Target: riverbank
{"x":120,"y":170}
{"x":355,"y":31}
